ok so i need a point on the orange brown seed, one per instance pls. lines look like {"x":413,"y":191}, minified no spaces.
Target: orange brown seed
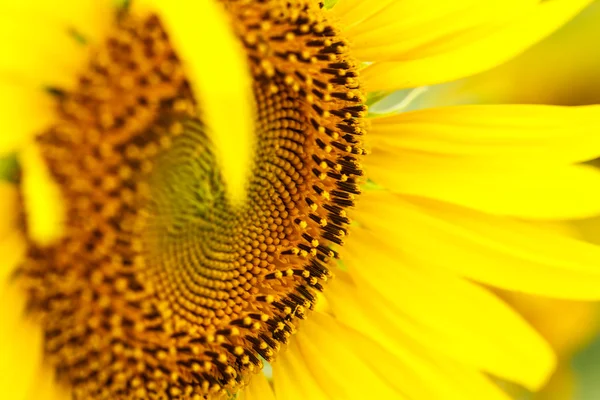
{"x":160,"y":287}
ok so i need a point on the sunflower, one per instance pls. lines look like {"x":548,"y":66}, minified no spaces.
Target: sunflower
{"x":193,"y":176}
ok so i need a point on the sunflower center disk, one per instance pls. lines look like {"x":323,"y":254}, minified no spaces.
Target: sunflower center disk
{"x":160,"y":286}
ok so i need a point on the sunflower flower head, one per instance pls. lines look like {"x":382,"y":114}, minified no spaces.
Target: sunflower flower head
{"x":164,"y":281}
{"x":188,"y":177}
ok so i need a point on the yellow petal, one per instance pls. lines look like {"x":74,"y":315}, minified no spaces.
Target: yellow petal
{"x":284,"y":384}
{"x":474,"y":56}
{"x":428,"y":376}
{"x":425,"y":374}
{"x":220,"y":87}
{"x":24,"y":113}
{"x":42,"y":198}
{"x":334,"y":363}
{"x":434,"y":29}
{"x":523,"y":190}
{"x":497,"y":159}
{"x":12,"y":248}
{"x":40,"y":50}
{"x":567,"y":59}
{"x":504,"y":133}
{"x":564,"y":385}
{"x":89,"y":18}
{"x":292,"y":377}
{"x":498,"y":251}
{"x":9,"y":205}
{"x":46,"y":387}
{"x":352,"y":12}
{"x":20,"y":346}
{"x":51,"y":57}
{"x":39,"y":45}
{"x":566,"y":324}
{"x":258,"y":389}
{"x":442,"y":311}
{"x":12,"y":242}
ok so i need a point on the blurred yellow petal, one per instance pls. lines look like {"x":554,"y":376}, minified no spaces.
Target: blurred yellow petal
{"x":42,"y":198}
{"x":352,"y":12}
{"x":452,"y":380}
{"x":343,"y":6}
{"x":12,"y":248}
{"x":562,"y":69}
{"x":562,"y":386}
{"x":42,"y":53}
{"x":17,"y":105}
{"x":89,"y":18}
{"x":284,"y":383}
{"x":443,"y":311}
{"x":219,"y":86}
{"x":333,"y":363}
{"x":56,"y":61}
{"x":45,"y":386}
{"x":20,"y":345}
{"x":258,"y":389}
{"x":292,"y":377}
{"x":477,"y":55}
{"x":567,"y":325}
{"x":411,"y":361}
{"x":434,"y":29}
{"x":498,"y":251}
{"x":9,"y":201}
{"x":413,"y":15}
{"x":50,"y":30}
{"x":12,"y":242}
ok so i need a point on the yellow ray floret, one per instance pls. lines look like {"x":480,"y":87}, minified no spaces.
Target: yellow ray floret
{"x":293,"y":378}
{"x":499,"y":251}
{"x":480,"y":157}
{"x":17,"y":106}
{"x":51,"y":46}
{"x":258,"y":389}
{"x":426,"y":31}
{"x":20,"y":345}
{"x":222,"y":88}
{"x":41,"y":53}
{"x":88,"y":18}
{"x":434,"y":307}
{"x":12,"y":242}
{"x":547,"y":134}
{"x":476,"y":54}
{"x":333,"y":364}
{"x":352,"y":12}
{"x":42,"y":198}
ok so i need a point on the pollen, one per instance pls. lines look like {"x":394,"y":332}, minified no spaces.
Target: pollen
{"x":161,"y":287}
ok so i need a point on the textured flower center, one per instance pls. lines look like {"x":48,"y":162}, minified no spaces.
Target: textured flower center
{"x":160,"y":286}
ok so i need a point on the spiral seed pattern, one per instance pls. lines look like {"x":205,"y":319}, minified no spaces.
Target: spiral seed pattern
{"x":160,"y":287}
